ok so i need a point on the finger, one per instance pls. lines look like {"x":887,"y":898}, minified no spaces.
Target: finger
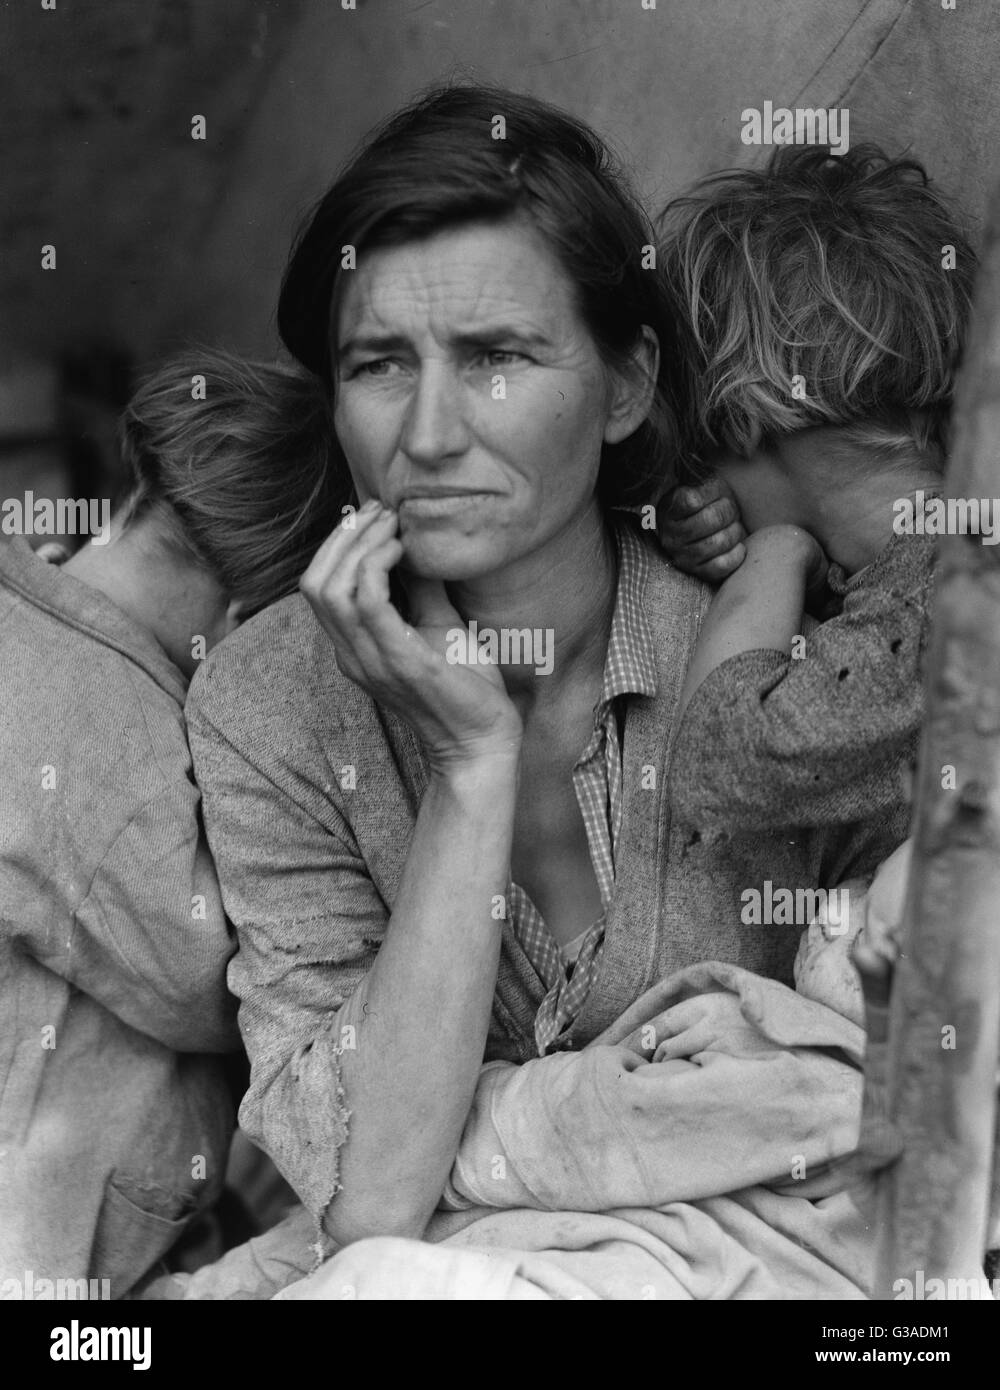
{"x":684,"y":501}
{"x":338,"y":543}
{"x":678,"y":1018}
{"x":371,"y":594}
{"x":687,"y":1042}
{"x":331,"y":580}
{"x":374,"y":646}
{"x":718,"y":570}
{"x":391,"y":647}
{"x":716,"y":516}
{"x":395,"y":649}
{"x":718,"y":543}
{"x":333,"y":599}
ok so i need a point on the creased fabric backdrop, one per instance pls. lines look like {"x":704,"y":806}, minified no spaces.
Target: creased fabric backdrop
{"x":163,"y":238}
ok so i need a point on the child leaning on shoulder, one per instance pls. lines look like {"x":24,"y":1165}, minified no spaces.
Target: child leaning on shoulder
{"x":825,"y":301}
{"x":113,"y":931}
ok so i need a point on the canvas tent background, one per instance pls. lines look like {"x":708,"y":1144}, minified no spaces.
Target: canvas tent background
{"x":162,"y":238}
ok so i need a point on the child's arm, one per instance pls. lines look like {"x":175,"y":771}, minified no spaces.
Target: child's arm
{"x":822,"y":735}
{"x":760,"y":606}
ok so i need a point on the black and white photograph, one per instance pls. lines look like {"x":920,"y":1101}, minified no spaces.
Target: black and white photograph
{"x":500,"y":666}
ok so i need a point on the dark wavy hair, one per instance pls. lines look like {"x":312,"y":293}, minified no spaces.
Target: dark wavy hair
{"x":828,"y":267}
{"x":436,"y":165}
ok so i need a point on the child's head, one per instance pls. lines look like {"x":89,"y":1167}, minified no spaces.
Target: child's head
{"x":237,"y":464}
{"x":816,"y":293}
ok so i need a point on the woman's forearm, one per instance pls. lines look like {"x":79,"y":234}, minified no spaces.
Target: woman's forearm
{"x":423,"y":1011}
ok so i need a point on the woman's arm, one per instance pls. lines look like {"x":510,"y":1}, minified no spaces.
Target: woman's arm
{"x":426,"y":1003}
{"x":423,"y":1010}
{"x":366,"y":1029}
{"x":328,"y":1026}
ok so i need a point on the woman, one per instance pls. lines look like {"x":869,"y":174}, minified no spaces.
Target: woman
{"x":430,"y":860}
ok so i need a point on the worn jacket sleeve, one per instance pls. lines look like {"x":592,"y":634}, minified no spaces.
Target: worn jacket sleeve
{"x":150,"y":940}
{"x":825,"y":739}
{"x":309,"y":921}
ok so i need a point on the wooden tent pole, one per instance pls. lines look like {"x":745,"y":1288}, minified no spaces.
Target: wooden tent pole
{"x":945,"y":1010}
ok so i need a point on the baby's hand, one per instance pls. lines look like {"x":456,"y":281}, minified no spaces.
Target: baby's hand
{"x":823,"y":969}
{"x":877,"y":948}
{"x":701,"y":530}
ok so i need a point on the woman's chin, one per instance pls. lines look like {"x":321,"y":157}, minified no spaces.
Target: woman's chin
{"x":446,"y":557}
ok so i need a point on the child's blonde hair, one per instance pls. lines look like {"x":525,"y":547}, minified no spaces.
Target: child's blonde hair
{"x":830,"y":268}
{"x":249,"y":479}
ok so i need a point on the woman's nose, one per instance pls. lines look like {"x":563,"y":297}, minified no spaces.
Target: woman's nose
{"x":435,"y":427}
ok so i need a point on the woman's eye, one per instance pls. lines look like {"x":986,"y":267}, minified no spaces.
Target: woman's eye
{"x":502,"y":357}
{"x":379,"y":366}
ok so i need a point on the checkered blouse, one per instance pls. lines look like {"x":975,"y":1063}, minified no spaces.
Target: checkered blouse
{"x":629,"y":668}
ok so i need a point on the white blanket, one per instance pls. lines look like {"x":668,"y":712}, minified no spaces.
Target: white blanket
{"x":689,"y":1152}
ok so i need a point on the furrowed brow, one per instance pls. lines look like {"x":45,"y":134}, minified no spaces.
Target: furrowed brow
{"x":371,"y":342}
{"x":502,"y":333}
{"x":486,"y":336}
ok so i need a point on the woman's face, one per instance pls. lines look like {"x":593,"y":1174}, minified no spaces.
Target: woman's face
{"x":470,"y":396}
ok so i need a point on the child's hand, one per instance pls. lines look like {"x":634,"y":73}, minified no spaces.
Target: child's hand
{"x":701,"y":530}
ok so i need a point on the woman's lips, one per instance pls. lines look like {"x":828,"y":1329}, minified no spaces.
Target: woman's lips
{"x":442,"y":505}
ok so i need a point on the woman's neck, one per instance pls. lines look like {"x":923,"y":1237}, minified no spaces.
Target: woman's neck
{"x":563,"y":594}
